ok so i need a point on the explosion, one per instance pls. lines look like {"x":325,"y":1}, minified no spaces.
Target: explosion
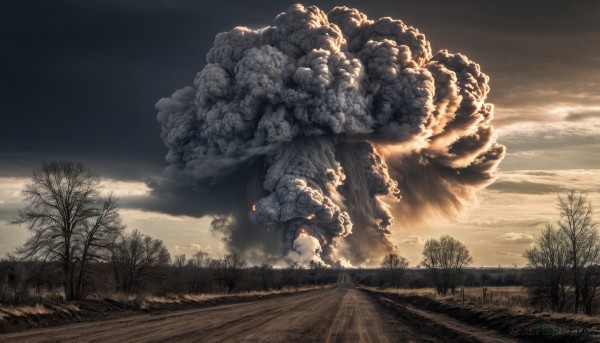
{"x":322,"y":120}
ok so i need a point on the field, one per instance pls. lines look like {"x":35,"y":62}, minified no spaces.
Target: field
{"x":513,"y":298}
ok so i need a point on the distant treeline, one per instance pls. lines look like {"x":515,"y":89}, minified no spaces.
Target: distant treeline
{"x":26,"y":282}
{"x":422,"y":278}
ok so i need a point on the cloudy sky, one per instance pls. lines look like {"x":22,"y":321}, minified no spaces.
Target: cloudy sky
{"x":79,"y":80}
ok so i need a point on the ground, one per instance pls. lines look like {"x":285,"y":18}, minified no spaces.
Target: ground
{"x":339,"y":314}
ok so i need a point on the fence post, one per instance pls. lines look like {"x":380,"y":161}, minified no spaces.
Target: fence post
{"x":484,"y":292}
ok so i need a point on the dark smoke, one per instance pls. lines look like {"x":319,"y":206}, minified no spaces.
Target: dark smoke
{"x":300,"y":137}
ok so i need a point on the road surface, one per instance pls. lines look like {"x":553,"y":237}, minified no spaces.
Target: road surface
{"x":338,"y":314}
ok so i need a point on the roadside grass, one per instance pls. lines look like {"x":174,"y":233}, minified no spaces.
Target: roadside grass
{"x":22,"y":311}
{"x":141,"y":301}
{"x":147,"y":300}
{"x":513,"y":299}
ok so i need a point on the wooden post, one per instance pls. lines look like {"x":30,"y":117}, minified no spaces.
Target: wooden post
{"x":484,"y":293}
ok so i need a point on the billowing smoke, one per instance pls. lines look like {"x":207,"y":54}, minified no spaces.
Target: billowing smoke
{"x":306,"y":137}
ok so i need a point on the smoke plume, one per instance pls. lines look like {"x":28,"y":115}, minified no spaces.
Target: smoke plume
{"x":305,"y":138}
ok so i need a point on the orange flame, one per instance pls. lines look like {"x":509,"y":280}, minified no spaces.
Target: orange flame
{"x":303,"y":232}
{"x":310,"y":216}
{"x":253,"y":207}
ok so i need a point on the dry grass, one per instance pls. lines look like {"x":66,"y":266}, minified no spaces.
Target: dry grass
{"x":8,"y":311}
{"x":21,"y":311}
{"x":147,"y":300}
{"x":511,"y":298}
{"x":580,"y":318}
{"x":179,"y":298}
{"x":143,"y":301}
{"x":423,"y":292}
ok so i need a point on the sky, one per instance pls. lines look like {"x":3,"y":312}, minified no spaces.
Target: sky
{"x":79,"y":80}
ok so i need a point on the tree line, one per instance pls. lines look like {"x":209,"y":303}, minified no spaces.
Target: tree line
{"x":77,"y":242}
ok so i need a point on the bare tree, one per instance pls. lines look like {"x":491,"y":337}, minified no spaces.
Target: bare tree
{"x":445,"y":258}
{"x":231,"y":270}
{"x":590,"y":281}
{"x":394,"y":267}
{"x":576,"y":224}
{"x":266,"y":276}
{"x":315,"y":271}
{"x":138,"y":261}
{"x":550,"y":261}
{"x":200,"y":260}
{"x":17,"y":282}
{"x":295,"y":274}
{"x":70,"y":221}
{"x":179,"y":261}
{"x":199,"y":264}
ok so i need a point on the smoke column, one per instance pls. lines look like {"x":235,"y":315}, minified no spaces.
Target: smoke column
{"x":305,"y":138}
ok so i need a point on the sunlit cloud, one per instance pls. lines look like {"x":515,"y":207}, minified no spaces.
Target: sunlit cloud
{"x":10,"y":189}
{"x":139,"y":214}
{"x":544,"y":182}
{"x":189,"y":250}
{"x":125,"y":188}
{"x":193,"y":246}
{"x":413,"y":240}
{"x":517,"y":237}
{"x":546,"y":113}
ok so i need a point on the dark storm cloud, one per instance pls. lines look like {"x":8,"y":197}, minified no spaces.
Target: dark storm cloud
{"x":526,"y":187}
{"x":80,"y":78}
{"x":583,"y":115}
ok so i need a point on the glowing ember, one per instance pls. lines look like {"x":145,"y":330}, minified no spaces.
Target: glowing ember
{"x":310,"y":216}
{"x":253,"y":207}
{"x":303,"y":232}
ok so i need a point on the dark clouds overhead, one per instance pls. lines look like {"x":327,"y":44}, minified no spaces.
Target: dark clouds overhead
{"x":79,"y":79}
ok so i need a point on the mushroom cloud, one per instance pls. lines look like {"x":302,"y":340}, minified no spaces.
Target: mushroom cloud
{"x":304,"y":139}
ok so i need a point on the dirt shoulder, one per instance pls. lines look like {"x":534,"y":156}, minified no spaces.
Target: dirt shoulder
{"x":484,"y":324}
{"x":14,"y":319}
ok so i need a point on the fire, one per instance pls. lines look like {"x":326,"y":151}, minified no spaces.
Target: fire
{"x":253,"y":207}
{"x":303,"y":232}
{"x":310,"y":216}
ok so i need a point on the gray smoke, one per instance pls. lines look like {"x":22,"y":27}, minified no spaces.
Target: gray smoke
{"x":300,"y":137}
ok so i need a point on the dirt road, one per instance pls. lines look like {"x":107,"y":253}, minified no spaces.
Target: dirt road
{"x":339,"y":314}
